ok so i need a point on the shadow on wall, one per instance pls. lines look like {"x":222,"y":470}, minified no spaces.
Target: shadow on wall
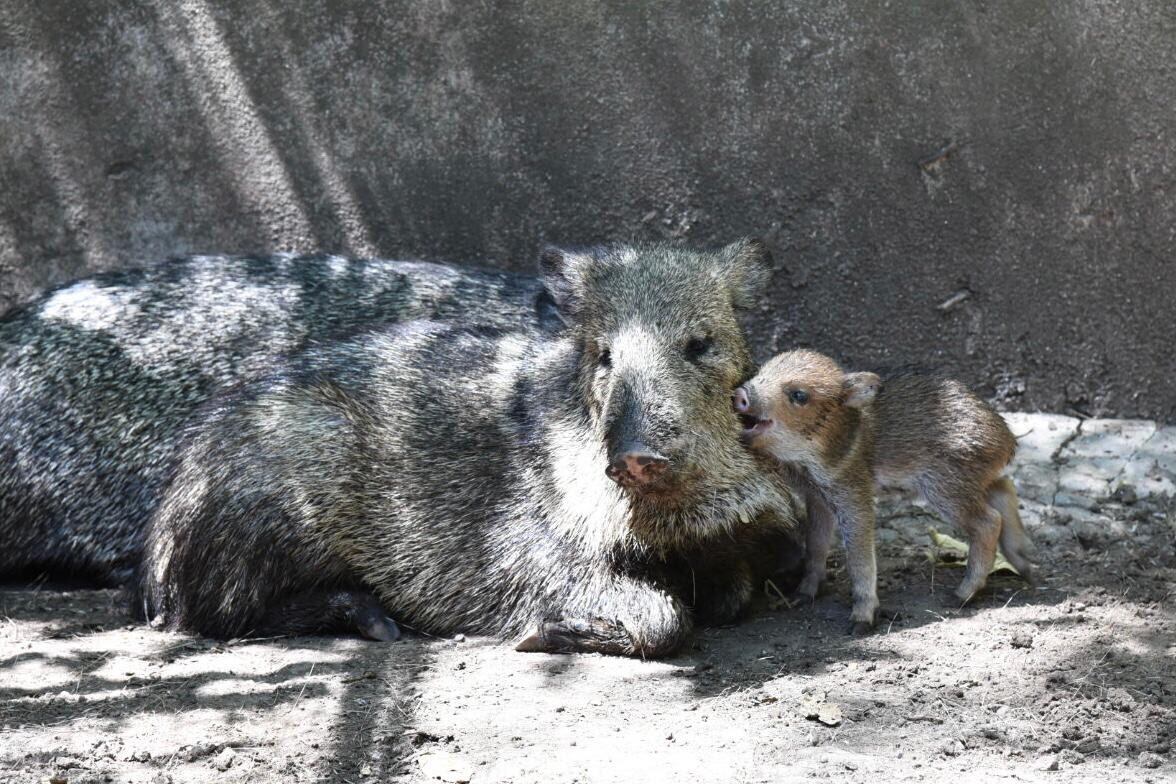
{"x":136,"y":131}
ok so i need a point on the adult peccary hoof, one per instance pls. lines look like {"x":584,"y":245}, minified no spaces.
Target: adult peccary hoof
{"x":568,"y":636}
{"x":382,"y":629}
{"x":533,"y":643}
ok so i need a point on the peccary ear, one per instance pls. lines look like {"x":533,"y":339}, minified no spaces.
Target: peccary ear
{"x":563,"y":274}
{"x":860,"y":388}
{"x":746,"y":271}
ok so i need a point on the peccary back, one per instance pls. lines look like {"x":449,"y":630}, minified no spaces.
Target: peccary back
{"x":98,"y":377}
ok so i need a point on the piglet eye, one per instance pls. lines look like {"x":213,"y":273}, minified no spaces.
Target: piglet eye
{"x":798,"y":396}
{"x":696,"y":347}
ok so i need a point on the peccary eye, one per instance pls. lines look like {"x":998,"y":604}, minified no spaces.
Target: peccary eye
{"x":798,"y":396}
{"x":696,"y":347}
{"x":605,"y":358}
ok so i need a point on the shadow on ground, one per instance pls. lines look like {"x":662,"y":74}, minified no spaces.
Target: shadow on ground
{"x":1078,"y":673}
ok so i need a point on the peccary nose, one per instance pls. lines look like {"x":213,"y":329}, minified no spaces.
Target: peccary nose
{"x":741,"y":401}
{"x":637,"y":467}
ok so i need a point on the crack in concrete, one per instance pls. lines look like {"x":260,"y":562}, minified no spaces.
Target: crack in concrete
{"x":1067,"y":441}
{"x":1130,"y":459}
{"x":1055,"y":458}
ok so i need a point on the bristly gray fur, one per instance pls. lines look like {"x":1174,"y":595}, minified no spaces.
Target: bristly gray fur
{"x":97,"y":378}
{"x":459,"y":473}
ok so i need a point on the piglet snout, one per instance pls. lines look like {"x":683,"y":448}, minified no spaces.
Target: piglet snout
{"x":741,"y":401}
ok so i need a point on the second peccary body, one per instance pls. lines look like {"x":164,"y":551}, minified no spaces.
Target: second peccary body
{"x":98,"y":377}
{"x":484,"y":481}
{"x":841,"y":433}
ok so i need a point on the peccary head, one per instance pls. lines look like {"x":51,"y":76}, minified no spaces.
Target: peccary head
{"x":660,"y":348}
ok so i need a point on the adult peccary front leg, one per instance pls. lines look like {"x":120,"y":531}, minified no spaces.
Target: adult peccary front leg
{"x":719,"y":582}
{"x":645,"y":621}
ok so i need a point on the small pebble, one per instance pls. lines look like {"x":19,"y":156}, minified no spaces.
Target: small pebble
{"x":1149,"y":760}
{"x":225,"y":759}
{"x":1047,"y":763}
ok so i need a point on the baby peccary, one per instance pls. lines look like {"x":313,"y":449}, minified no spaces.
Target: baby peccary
{"x":839,"y":433}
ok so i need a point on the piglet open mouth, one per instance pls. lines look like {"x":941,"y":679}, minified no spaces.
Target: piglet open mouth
{"x":753,"y":425}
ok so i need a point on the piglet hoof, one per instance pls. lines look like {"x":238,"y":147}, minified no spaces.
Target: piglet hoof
{"x":804,"y":597}
{"x":861,"y":629}
{"x":374,"y":625}
{"x":951,"y":601}
{"x":862,"y":622}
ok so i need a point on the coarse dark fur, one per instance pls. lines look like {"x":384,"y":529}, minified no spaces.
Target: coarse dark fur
{"x":841,"y":433}
{"x":98,"y":377}
{"x":459,"y":474}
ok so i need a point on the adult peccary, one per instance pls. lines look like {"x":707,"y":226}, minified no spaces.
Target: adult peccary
{"x":98,"y":377}
{"x":487,"y":481}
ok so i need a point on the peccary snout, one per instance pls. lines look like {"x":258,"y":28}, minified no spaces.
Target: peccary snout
{"x":632,"y":438}
{"x":636,"y":466}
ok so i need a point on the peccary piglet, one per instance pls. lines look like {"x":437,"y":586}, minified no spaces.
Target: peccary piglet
{"x":481,"y":480}
{"x":841,"y":433}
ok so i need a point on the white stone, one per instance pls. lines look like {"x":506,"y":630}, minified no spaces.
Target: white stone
{"x":1039,"y":435}
{"x":1110,"y":438}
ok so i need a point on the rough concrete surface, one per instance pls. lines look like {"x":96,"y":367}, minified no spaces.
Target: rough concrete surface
{"x":985,"y":186}
{"x":1073,"y":680}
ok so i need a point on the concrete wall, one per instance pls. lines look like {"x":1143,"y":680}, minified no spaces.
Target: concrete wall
{"x":1015,"y":158}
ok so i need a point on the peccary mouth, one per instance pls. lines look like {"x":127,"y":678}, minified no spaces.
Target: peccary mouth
{"x":665,"y":485}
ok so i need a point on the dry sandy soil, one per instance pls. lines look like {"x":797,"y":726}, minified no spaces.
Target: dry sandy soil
{"x":1073,"y":680}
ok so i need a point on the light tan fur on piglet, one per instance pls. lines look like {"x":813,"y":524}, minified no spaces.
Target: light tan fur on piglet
{"x":842,"y":433}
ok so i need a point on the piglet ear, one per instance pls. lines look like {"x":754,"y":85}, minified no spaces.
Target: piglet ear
{"x":860,"y":388}
{"x":745,"y":270}
{"x":563,"y":272}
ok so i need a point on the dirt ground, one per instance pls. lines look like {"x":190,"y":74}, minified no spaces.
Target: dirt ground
{"x":1073,"y":680}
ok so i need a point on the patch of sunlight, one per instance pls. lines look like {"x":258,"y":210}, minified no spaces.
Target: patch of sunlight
{"x":36,"y":675}
{"x":236,"y":126}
